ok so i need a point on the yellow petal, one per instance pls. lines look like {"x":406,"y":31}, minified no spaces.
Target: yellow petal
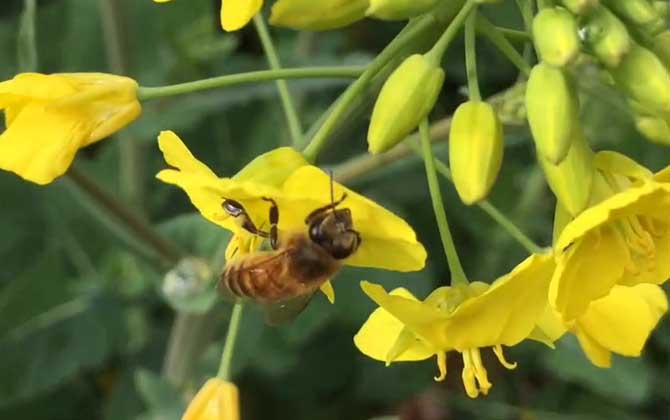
{"x":216,"y":400}
{"x":176,"y":154}
{"x":649,"y":198}
{"x":272,"y":168}
{"x":381,"y":331}
{"x":420,"y":318}
{"x":549,"y":327}
{"x":622,"y":321}
{"x":596,"y":353}
{"x":327,"y":289}
{"x":39,"y":146}
{"x":587,"y":271}
{"x":506,"y":312}
{"x":388,"y":242}
{"x":237,"y":13}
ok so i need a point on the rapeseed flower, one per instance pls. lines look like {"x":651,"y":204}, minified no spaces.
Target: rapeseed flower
{"x":216,"y":400}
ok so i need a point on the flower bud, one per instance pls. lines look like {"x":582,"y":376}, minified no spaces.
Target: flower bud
{"x":217,"y":399}
{"x":638,"y":12}
{"x":662,"y":47}
{"x":580,"y":7}
{"x":556,"y":36}
{"x":643,"y":77}
{"x":654,"y":129}
{"x":399,"y":9}
{"x":571,"y":180}
{"x":317,"y":15}
{"x":408,"y":95}
{"x":552,"y":107}
{"x":475,"y":150}
{"x":607,"y":36}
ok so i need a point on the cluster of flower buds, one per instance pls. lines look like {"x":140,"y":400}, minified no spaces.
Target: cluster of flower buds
{"x":630,"y":40}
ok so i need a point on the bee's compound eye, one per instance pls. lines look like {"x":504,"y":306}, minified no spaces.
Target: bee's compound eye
{"x":232,"y":207}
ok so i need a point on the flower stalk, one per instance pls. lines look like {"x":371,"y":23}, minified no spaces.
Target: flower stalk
{"x":229,"y":345}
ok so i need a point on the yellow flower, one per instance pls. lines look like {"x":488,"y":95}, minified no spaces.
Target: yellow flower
{"x":388,"y":242}
{"x":462,"y":318}
{"x":618,"y":323}
{"x":624,"y":239}
{"x":235,"y":14}
{"x":50,"y":117}
{"x":216,"y":400}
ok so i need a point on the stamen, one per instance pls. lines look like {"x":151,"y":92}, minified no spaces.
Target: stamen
{"x":441,"y":365}
{"x":480,"y":372}
{"x":468,"y":376}
{"x":498,"y":350}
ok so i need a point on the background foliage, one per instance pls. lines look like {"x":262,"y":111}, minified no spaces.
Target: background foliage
{"x":84,"y":325}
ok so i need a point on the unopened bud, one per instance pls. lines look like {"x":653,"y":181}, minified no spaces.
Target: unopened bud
{"x":642,"y":75}
{"x":607,"y":36}
{"x":571,"y":180}
{"x":580,"y":7}
{"x":318,"y":15}
{"x":408,"y":95}
{"x":552,"y":107}
{"x":475,"y":150}
{"x":399,"y":9}
{"x":556,"y":36}
{"x":654,"y":129}
{"x":638,"y":12}
{"x":662,"y":47}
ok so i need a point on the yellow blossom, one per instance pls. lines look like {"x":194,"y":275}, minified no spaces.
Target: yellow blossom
{"x":624,"y":239}
{"x":235,"y":14}
{"x":282,"y":174}
{"x":216,"y":400}
{"x":50,"y":117}
{"x":462,"y":318}
{"x":618,"y":323}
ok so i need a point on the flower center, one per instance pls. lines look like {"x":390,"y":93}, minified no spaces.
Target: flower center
{"x":639,"y":233}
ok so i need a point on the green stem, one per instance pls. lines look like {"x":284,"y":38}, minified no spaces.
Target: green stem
{"x":407,"y":35}
{"x":449,"y":34}
{"x":273,"y":59}
{"x":490,"y":31}
{"x":455,"y":267}
{"x":229,"y":345}
{"x":497,"y":216}
{"x":471,"y":57}
{"x":149,"y":93}
{"x":514,"y":34}
{"x":26,"y":45}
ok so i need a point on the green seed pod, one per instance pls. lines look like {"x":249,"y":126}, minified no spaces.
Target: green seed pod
{"x":556,"y":36}
{"x":552,"y":107}
{"x":475,"y":150}
{"x":408,"y":95}
{"x":571,"y":180}
{"x":580,"y":7}
{"x":607,"y":36}
{"x":654,"y":129}
{"x":317,"y":15}
{"x":399,"y":9}
{"x":662,"y":47}
{"x":638,"y":12}
{"x":643,"y":77}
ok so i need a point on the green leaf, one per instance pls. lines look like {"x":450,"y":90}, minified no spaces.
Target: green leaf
{"x":158,"y":395}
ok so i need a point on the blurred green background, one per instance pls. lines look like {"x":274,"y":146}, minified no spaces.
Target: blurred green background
{"x":84,"y":321}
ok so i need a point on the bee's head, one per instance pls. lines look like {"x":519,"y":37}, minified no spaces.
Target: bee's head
{"x":334,"y":231}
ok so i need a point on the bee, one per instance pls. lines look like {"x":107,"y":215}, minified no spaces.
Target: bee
{"x":284,"y":279}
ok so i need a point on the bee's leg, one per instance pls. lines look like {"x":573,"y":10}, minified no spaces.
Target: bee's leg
{"x":236,"y":210}
{"x":274,"y":220}
{"x":318,"y":212}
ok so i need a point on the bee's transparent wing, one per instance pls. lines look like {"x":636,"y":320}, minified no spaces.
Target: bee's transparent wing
{"x":284,"y":311}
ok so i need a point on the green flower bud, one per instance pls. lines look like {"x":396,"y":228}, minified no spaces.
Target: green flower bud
{"x":399,"y":9}
{"x":607,"y":36}
{"x":638,"y":12}
{"x":662,"y":47}
{"x":317,"y":15}
{"x":552,"y":107}
{"x":580,"y":7}
{"x":408,"y":95}
{"x":643,"y":77}
{"x":654,"y":129}
{"x":662,"y":8}
{"x":571,"y":180}
{"x":475,"y":150}
{"x":556,"y":36}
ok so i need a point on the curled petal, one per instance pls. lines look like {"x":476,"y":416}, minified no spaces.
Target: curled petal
{"x":498,"y":350}
{"x":441,"y":365}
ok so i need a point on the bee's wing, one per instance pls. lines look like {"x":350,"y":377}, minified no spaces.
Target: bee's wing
{"x":286,"y":310}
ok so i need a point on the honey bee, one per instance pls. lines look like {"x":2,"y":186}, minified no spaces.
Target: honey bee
{"x":284,"y":279}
